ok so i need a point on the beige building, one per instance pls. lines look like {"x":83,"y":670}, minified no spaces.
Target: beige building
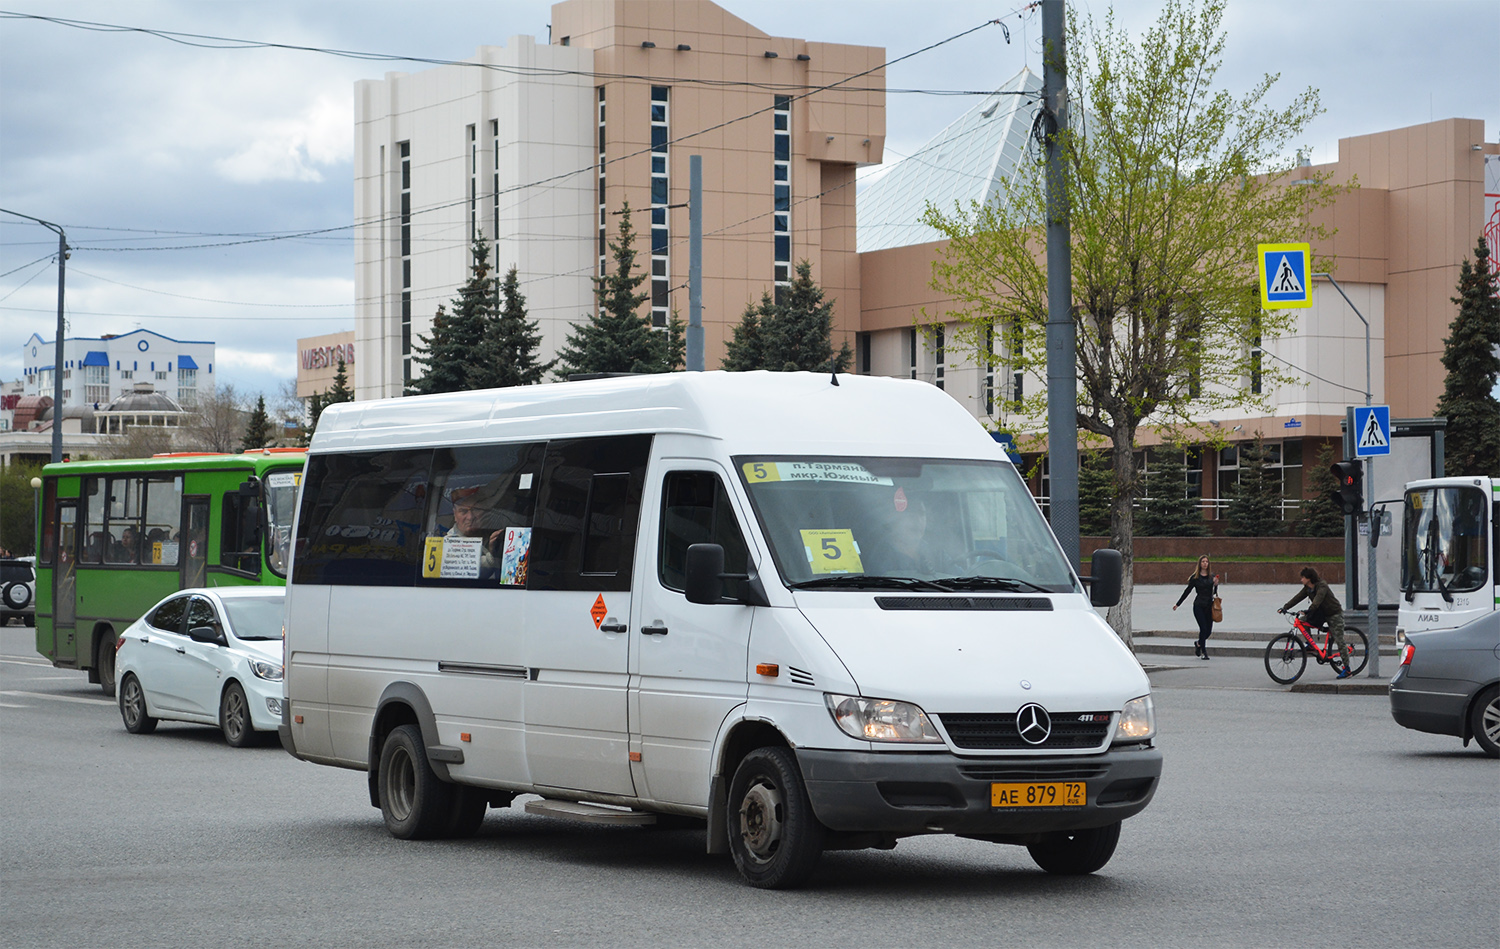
{"x":318,"y":359}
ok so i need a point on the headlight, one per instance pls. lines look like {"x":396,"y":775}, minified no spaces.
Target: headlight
{"x":880,"y":719}
{"x":1137,"y":721}
{"x":265,"y":670}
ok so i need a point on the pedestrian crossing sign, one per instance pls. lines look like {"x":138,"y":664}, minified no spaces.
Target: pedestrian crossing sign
{"x":1372,"y":430}
{"x":1285,"y":275}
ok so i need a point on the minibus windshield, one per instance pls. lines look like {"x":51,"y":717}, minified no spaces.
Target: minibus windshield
{"x":918,"y":523}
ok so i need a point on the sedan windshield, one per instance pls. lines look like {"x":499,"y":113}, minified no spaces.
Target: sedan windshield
{"x":258,"y":618}
{"x":903,"y":523}
{"x":1443,"y":547}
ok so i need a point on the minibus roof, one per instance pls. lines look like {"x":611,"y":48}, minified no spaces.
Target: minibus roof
{"x":751,"y":412}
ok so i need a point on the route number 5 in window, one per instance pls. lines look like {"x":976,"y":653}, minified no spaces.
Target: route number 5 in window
{"x":832,"y":551}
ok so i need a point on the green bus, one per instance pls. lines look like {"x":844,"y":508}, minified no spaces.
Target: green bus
{"x":114,"y":537}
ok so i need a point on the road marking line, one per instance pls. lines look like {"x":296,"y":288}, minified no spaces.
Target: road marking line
{"x":28,"y":662}
{"x":57,"y":698}
{"x":10,"y":705}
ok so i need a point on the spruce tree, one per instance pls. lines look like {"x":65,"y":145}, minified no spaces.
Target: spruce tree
{"x":341,"y":392}
{"x":1255,"y":502}
{"x":1471,"y":354}
{"x":1169,"y":512}
{"x":790,"y":336}
{"x":258,"y":430}
{"x":1096,"y":491}
{"x":449,"y":353}
{"x":507,"y":354}
{"x":1319,"y":516}
{"x":617,"y":338}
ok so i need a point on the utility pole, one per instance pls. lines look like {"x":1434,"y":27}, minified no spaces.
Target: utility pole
{"x":1062,"y":363}
{"x":695,"y":264}
{"x":57,"y":369}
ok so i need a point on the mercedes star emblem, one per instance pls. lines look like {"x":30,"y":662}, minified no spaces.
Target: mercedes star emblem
{"x":1033,"y":723}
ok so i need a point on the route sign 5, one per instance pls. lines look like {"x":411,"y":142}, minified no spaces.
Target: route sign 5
{"x":1372,"y":430}
{"x":1285,"y":275}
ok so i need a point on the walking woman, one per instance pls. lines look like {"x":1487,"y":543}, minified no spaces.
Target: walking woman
{"x":1203,"y":586}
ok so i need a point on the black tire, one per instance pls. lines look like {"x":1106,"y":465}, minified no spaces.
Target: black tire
{"x":17,"y":595}
{"x":1359,"y":650}
{"x":1484,"y":720}
{"x":774,"y":835}
{"x":1286,"y":658}
{"x":133,"y":707}
{"x":104,"y":662}
{"x":415,"y":803}
{"x":467,"y":812}
{"x":1075,"y":852}
{"x":234,"y":717}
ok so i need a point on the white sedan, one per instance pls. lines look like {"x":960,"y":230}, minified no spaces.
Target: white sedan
{"x":207,"y":656}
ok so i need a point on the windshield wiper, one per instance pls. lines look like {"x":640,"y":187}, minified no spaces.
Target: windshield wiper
{"x":1007,"y":583}
{"x":859,"y":580}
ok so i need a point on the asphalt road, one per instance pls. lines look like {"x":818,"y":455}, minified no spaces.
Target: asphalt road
{"x":1283,"y":820}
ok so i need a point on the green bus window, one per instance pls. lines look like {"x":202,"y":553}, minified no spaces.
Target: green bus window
{"x":123,"y":525}
{"x":163,"y":520}
{"x":239,"y":533}
{"x":49,"y":523}
{"x":93,"y":522}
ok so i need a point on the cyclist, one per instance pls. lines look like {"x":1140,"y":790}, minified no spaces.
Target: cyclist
{"x":1323,"y":607}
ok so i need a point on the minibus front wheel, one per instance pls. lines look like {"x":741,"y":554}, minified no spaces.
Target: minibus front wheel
{"x":415,"y":803}
{"x":774,"y":836}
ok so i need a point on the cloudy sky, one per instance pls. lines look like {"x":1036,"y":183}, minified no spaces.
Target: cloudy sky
{"x":171,"y":166}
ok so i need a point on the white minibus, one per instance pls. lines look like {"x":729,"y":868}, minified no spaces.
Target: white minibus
{"x":813,"y":611}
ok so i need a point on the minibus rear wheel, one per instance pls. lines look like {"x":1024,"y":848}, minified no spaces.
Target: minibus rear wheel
{"x":1075,"y":852}
{"x":774,"y":836}
{"x":415,"y":803}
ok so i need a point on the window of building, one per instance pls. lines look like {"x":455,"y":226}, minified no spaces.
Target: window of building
{"x":96,"y":384}
{"x":404,"y":150}
{"x":911,"y":350}
{"x":473,"y":136}
{"x":661,"y":268}
{"x":781,"y":184}
{"x":495,"y":192}
{"x":603,"y":215}
{"x":987,"y":360}
{"x":939,"y":339}
{"x":187,"y":387}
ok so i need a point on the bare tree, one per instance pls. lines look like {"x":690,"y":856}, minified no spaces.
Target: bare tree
{"x":218,"y":421}
{"x":140,"y":441}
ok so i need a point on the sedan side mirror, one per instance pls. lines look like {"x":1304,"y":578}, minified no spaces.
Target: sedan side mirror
{"x":207,"y":634}
{"x":1107,"y":569}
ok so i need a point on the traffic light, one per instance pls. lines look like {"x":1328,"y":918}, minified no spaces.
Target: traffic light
{"x":1349,"y":495}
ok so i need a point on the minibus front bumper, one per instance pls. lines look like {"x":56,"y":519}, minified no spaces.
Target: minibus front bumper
{"x":904,"y":793}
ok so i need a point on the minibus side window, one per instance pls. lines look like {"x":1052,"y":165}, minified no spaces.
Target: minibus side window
{"x":588,"y":513}
{"x":695,"y":510}
{"x":362,"y":518}
{"x":478,"y":527}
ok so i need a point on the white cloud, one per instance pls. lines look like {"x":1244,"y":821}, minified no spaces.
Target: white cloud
{"x":242,"y":359}
{"x":292,"y":150}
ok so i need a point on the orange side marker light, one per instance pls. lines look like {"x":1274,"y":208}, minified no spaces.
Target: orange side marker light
{"x":635,"y":756}
{"x":464,"y":736}
{"x":297,"y":719}
{"x":770,"y":669}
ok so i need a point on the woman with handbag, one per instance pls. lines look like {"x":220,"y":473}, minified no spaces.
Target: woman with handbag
{"x":1207,"y":607}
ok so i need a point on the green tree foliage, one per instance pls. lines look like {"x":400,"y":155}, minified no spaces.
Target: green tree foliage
{"x":341,"y":392}
{"x":451,"y":353}
{"x":793,"y":335}
{"x":1255,"y":501}
{"x":618,"y":338}
{"x":1095,"y":493}
{"x":18,"y":508}
{"x":258,"y":429}
{"x":1167,"y":510}
{"x":1171,"y":184}
{"x":1319,"y":516}
{"x":1471,"y":355}
{"x":508,"y":351}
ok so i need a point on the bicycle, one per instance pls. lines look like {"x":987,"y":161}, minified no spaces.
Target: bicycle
{"x":1286,"y":655}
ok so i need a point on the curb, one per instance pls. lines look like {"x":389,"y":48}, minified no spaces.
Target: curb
{"x":1364,"y":687}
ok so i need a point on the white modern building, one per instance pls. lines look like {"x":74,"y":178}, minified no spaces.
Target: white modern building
{"x":96,"y":371}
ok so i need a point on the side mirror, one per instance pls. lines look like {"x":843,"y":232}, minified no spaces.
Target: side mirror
{"x":1107,"y":569}
{"x":702,"y":582}
{"x":206,"y":634}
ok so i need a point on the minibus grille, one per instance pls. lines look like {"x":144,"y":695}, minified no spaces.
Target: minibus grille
{"x":1004,"y":604}
{"x":998,"y":732}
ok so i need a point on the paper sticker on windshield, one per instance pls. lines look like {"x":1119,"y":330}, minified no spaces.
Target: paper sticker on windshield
{"x":452,"y":558}
{"x":284,"y":479}
{"x":757,"y":471}
{"x":832,"y":551}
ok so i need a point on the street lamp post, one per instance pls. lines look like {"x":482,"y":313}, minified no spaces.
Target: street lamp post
{"x":57,"y":369}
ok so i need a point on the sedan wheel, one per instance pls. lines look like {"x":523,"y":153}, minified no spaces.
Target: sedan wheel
{"x":1484,"y":721}
{"x":234,"y":717}
{"x":133,"y":707}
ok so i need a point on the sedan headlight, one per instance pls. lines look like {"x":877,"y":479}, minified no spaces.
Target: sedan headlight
{"x":1137,"y":721}
{"x":265,"y":670}
{"x":880,"y":719}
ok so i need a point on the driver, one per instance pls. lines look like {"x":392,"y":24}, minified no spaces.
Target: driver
{"x":903,"y":554}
